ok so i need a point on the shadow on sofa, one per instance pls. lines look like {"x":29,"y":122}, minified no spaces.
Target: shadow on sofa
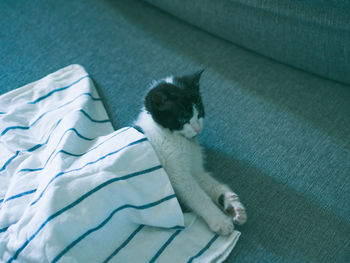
{"x":276,"y":221}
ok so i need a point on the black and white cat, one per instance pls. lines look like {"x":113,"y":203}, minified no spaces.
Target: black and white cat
{"x":171,"y":118}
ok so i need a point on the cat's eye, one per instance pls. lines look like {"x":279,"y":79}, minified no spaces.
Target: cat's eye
{"x":182,"y":121}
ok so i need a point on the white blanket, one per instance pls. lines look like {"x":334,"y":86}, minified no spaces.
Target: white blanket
{"x":74,"y":190}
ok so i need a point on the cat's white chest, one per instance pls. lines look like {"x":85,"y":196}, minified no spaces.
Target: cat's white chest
{"x":172,"y":149}
{"x":176,"y":148}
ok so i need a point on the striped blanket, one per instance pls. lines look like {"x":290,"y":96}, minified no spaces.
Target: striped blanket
{"x":74,"y":190}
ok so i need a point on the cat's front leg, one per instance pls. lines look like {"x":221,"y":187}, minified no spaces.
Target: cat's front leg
{"x":193,"y":196}
{"x":222,"y":195}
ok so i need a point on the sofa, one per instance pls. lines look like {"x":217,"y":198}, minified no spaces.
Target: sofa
{"x":275,"y":88}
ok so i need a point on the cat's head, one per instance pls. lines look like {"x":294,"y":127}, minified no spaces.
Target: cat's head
{"x":175,"y":103}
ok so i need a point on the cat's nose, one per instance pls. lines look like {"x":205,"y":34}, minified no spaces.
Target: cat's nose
{"x":196,"y":127}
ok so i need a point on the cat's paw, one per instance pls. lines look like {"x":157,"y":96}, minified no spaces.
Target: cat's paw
{"x":233,"y":207}
{"x":221,"y":225}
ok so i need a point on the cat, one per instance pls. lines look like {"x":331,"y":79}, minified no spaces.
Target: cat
{"x":171,"y":118}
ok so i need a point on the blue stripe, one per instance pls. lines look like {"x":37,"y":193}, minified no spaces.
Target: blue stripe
{"x":68,"y":153}
{"x":18,"y":251}
{"x":71,"y":129}
{"x":177,"y":227}
{"x":124,"y":244}
{"x":32,"y":191}
{"x":39,"y":145}
{"x":1,"y":112}
{"x":99,"y":121}
{"x":3,"y":229}
{"x":128,"y":240}
{"x":9,"y":160}
{"x":81,"y":154}
{"x":204,"y":249}
{"x":165,"y":245}
{"x":47,"y":140}
{"x":42,"y":115}
{"x":56,"y":90}
{"x":174,"y":227}
{"x":12,"y":128}
{"x":29,"y":150}
{"x":80,"y":135}
{"x":89,"y":163}
{"x":138,"y":207}
{"x":20,"y":195}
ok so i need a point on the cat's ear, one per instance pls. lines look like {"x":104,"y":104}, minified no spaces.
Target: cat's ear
{"x":160,"y":101}
{"x":192,"y":80}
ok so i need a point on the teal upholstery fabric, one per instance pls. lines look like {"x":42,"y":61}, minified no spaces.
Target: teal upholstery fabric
{"x":313,"y":35}
{"x":280,"y":137}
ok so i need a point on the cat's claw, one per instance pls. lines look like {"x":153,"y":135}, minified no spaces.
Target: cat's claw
{"x":233,"y":207}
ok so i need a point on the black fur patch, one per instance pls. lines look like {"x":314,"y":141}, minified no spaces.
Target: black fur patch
{"x":171,"y":105}
{"x":221,"y":200}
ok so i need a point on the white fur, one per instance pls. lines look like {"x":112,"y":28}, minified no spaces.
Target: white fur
{"x":169,"y":80}
{"x":194,"y":127}
{"x":182,"y":158}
